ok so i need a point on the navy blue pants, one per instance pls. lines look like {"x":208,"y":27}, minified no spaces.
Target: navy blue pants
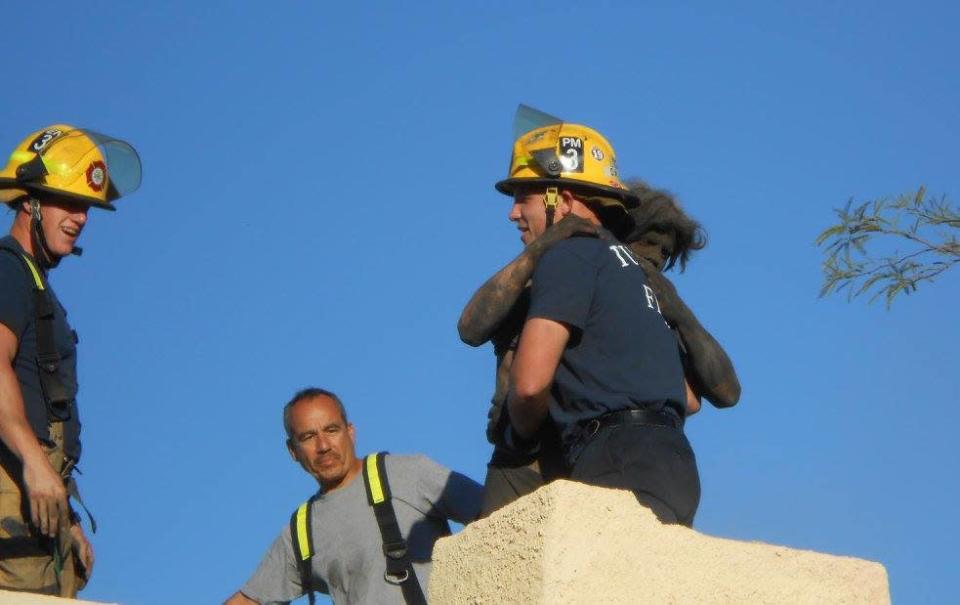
{"x":655,"y":462}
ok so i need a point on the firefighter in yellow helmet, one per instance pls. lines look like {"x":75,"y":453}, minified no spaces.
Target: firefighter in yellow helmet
{"x":573,"y":317}
{"x":50,"y":182}
{"x":557,"y":156}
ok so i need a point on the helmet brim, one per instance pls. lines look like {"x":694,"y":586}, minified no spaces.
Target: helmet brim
{"x":508,"y":187}
{"x":27,"y":188}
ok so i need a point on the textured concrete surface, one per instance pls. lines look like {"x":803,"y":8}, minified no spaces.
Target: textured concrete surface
{"x":22,"y":598}
{"x":572,"y":543}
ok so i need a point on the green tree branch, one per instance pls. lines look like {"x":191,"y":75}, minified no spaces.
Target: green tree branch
{"x":889,"y":246}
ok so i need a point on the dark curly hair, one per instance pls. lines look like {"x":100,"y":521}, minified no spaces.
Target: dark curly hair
{"x":659,"y":210}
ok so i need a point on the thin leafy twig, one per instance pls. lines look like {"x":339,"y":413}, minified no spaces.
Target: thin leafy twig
{"x":858,"y":254}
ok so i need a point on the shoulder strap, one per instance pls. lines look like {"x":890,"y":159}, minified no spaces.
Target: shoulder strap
{"x":400,"y":570}
{"x":301,"y":534}
{"x":48,"y":359}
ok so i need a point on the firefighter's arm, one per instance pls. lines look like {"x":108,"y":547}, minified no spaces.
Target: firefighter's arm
{"x":44,"y":486}
{"x":491,"y":304}
{"x":541,"y":345}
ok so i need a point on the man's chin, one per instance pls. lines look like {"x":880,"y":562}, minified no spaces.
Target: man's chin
{"x":62,"y":249}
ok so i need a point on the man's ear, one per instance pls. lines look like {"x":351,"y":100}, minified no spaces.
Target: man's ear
{"x":353,"y":434}
{"x":564,"y":204}
{"x":293,"y":451}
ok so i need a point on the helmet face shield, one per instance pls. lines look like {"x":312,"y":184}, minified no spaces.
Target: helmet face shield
{"x":527,"y":118}
{"x":103,"y":163}
{"x":81,"y":164}
{"x":536,"y":134}
{"x":123,"y":163}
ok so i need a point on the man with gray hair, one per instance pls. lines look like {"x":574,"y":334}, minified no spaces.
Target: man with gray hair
{"x":360,"y":540}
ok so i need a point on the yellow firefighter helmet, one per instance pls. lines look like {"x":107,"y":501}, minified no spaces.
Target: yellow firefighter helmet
{"x":550,"y":152}
{"x":74,"y":163}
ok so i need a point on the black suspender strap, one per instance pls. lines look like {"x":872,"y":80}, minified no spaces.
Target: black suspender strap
{"x":399,"y":567}
{"x":302,"y":536}
{"x":48,"y":359}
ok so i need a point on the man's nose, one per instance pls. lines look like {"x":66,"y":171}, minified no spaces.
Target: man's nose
{"x":514,"y":212}
{"x":80,"y":216}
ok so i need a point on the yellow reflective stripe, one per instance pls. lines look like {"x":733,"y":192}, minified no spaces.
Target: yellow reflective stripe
{"x":22,"y":156}
{"x":303,"y":538}
{"x":36,"y":274}
{"x":373,"y":474}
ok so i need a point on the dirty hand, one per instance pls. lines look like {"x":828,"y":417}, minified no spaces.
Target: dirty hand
{"x":83,"y":549}
{"x":566,"y":227}
{"x":48,"y":496}
{"x":671,"y":307}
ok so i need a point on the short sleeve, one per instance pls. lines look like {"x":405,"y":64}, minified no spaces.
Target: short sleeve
{"x":563,"y":283}
{"x":277,"y":579}
{"x":15,"y":295}
{"x":443,"y":493}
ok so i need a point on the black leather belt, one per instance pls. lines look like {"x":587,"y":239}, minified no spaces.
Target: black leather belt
{"x":652,"y":417}
{"x":582,"y":433}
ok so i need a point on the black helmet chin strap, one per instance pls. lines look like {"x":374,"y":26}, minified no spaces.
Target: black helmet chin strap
{"x":40,"y":247}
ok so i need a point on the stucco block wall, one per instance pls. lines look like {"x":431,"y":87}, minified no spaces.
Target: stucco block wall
{"x":572,"y":543}
{"x":22,"y":598}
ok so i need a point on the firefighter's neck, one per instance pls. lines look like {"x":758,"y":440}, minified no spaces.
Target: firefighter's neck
{"x":578,"y":208}
{"x":20,"y":231}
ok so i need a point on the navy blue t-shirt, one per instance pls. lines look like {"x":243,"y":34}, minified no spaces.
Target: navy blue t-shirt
{"x":17,"y":313}
{"x":621,"y":354}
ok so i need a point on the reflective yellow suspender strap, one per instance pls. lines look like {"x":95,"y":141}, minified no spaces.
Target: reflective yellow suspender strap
{"x":400,"y":570}
{"x":33,"y":271}
{"x":301,"y":535}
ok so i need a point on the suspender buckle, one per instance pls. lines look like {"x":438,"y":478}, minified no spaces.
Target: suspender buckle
{"x":396,"y":580}
{"x":395,"y":550}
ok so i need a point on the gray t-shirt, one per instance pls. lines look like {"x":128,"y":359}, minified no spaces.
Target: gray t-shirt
{"x":348,"y":562}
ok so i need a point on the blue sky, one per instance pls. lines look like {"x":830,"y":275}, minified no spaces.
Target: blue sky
{"x":317,"y":206}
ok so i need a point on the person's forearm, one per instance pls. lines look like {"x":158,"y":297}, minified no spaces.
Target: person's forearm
{"x":711,"y":370}
{"x":15,"y":430}
{"x":541,"y":346}
{"x":44,"y":488}
{"x":491,"y":304}
{"x":527,"y":413}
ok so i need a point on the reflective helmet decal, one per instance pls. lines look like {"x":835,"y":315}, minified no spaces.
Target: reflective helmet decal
{"x":96,"y":175}
{"x":44,"y":138}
